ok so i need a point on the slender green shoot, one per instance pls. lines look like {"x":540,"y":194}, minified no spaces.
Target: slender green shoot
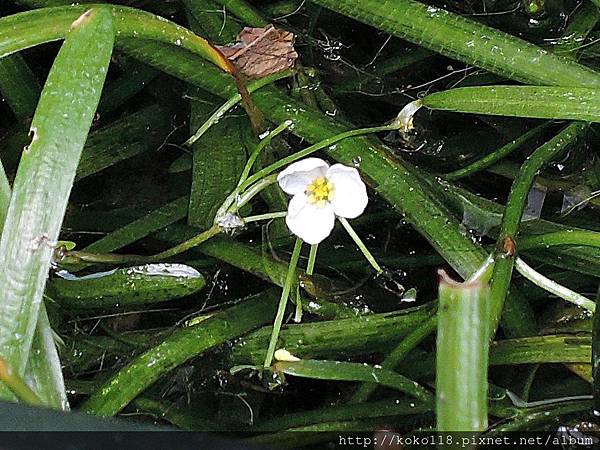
{"x":496,"y":156}
{"x":312,"y":258}
{"x":285,"y":293}
{"x":359,"y":243}
{"x":234,"y":100}
{"x":397,"y":355}
{"x":507,"y":247}
{"x":266,"y":216}
{"x":312,"y":149}
{"x":265,"y":142}
{"x":553,"y":287}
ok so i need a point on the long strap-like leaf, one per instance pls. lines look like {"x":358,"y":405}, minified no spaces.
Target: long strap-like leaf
{"x":45,"y":176}
{"x":468,"y":41}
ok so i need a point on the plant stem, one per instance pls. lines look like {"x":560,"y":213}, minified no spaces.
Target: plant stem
{"x":506,"y":247}
{"x":567,"y":237}
{"x":397,"y":355}
{"x":363,"y":248}
{"x":313,"y":148}
{"x":312,"y":258}
{"x":187,"y":245}
{"x":266,"y":216}
{"x":260,"y":147}
{"x":497,"y":155}
{"x":553,"y":287}
{"x":285,"y":293}
{"x":234,"y":100}
{"x":17,"y":385}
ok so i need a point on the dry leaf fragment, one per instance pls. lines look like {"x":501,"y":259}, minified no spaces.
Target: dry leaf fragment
{"x":261,"y":51}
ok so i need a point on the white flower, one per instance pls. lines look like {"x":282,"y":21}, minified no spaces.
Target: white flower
{"x":320,"y":193}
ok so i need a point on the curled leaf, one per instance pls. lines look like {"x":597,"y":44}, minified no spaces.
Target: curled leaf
{"x":261,"y":51}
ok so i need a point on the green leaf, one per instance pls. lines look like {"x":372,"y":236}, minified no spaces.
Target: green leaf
{"x":348,"y":371}
{"x":31,"y":28}
{"x":182,"y":345}
{"x":130,"y":286}
{"x":218,"y":160}
{"x":45,"y":176}
{"x":468,"y":41}
{"x":541,"y":102}
{"x":18,"y":86}
{"x":141,"y":131}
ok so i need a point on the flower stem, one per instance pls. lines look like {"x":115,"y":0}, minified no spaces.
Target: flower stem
{"x":363,"y":248}
{"x":310,"y":268}
{"x":313,"y":148}
{"x":553,"y":287}
{"x":17,"y":385}
{"x":267,"y":216}
{"x":260,"y":147}
{"x":243,"y":199}
{"x":289,"y":280}
{"x":234,"y":100}
{"x":187,"y":245}
{"x":312,"y":257}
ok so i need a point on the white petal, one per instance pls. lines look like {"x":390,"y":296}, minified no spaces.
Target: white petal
{"x":297,"y":176}
{"x":309,"y":222}
{"x":350,"y":196}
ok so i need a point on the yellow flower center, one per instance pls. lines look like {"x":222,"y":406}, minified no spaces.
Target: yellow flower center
{"x":320,"y":192}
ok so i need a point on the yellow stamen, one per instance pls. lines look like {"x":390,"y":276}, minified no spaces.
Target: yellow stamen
{"x":320,"y":192}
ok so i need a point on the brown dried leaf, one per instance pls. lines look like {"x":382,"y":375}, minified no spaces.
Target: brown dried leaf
{"x":261,"y":51}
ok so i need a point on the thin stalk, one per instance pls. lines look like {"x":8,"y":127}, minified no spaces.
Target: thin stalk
{"x":285,"y":293}
{"x":505,"y":250}
{"x":266,"y":216}
{"x":251,"y":192}
{"x":234,"y":100}
{"x":187,"y":245}
{"x":314,"y":148}
{"x":265,"y":142}
{"x":79,"y":257}
{"x":553,"y":287}
{"x":496,"y":156}
{"x":312,"y":258}
{"x":17,"y":385}
{"x":363,"y":248}
{"x":397,"y":355}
